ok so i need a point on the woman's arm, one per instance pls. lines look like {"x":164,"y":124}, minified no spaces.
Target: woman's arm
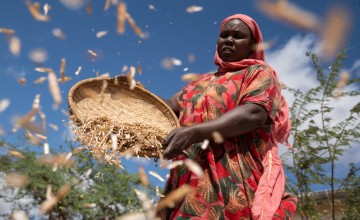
{"x":238,"y":121}
{"x":173,"y":103}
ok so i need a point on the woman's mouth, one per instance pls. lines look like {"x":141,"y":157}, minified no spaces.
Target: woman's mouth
{"x":226,"y":49}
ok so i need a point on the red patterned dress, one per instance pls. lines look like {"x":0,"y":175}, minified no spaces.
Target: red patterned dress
{"x":232,"y":169}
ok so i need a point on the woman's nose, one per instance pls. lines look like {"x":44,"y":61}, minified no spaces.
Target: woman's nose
{"x":229,"y":40}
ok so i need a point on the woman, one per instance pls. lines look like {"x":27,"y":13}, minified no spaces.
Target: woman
{"x":244,"y":177}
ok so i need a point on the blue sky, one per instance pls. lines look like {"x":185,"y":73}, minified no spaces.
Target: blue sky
{"x":172,"y":33}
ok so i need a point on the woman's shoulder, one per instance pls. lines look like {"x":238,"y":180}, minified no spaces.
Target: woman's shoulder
{"x":257,"y":70}
{"x":261,"y":65}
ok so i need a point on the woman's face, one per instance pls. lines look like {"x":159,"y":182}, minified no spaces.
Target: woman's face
{"x":235,"y":41}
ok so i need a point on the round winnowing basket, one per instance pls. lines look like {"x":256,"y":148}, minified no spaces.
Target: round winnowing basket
{"x":112,"y":120}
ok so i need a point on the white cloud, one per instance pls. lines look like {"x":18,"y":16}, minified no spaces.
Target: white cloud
{"x":291,"y":64}
{"x":297,"y":72}
{"x":10,"y":194}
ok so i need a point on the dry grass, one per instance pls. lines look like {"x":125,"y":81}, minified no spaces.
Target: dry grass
{"x":97,"y":135}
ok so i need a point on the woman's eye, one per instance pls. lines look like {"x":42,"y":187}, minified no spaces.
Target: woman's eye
{"x":233,"y":35}
{"x":223,"y":35}
{"x":237,"y":36}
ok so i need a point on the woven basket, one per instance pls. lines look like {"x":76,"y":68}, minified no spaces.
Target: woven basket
{"x":138,"y":117}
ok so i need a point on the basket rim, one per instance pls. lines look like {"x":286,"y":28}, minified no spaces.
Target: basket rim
{"x":84,"y":82}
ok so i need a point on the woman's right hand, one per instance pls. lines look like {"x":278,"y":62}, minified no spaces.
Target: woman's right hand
{"x":178,"y":140}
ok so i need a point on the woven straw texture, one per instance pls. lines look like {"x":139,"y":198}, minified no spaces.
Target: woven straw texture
{"x":113,"y":103}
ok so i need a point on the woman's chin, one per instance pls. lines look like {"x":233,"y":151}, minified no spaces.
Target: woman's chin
{"x":226,"y":58}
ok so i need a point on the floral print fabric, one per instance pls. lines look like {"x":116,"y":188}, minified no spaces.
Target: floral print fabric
{"x":232,"y":170}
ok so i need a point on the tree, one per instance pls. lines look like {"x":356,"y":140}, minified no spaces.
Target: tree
{"x":352,"y":189}
{"x":106,"y":192}
{"x":319,"y":141}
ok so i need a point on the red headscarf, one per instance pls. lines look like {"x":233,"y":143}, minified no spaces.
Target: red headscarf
{"x":282,"y":122}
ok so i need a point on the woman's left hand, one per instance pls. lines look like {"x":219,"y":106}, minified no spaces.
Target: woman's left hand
{"x":178,"y":140}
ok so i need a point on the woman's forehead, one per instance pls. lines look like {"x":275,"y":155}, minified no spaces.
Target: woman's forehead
{"x":235,"y":24}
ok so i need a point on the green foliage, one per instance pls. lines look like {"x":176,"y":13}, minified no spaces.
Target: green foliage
{"x":352,"y":189}
{"x":319,"y":141}
{"x":107,"y":187}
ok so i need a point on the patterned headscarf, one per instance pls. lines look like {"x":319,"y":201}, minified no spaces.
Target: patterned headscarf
{"x":258,"y":52}
{"x":282,"y":121}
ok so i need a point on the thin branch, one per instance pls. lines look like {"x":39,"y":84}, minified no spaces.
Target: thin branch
{"x":346,"y":179}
